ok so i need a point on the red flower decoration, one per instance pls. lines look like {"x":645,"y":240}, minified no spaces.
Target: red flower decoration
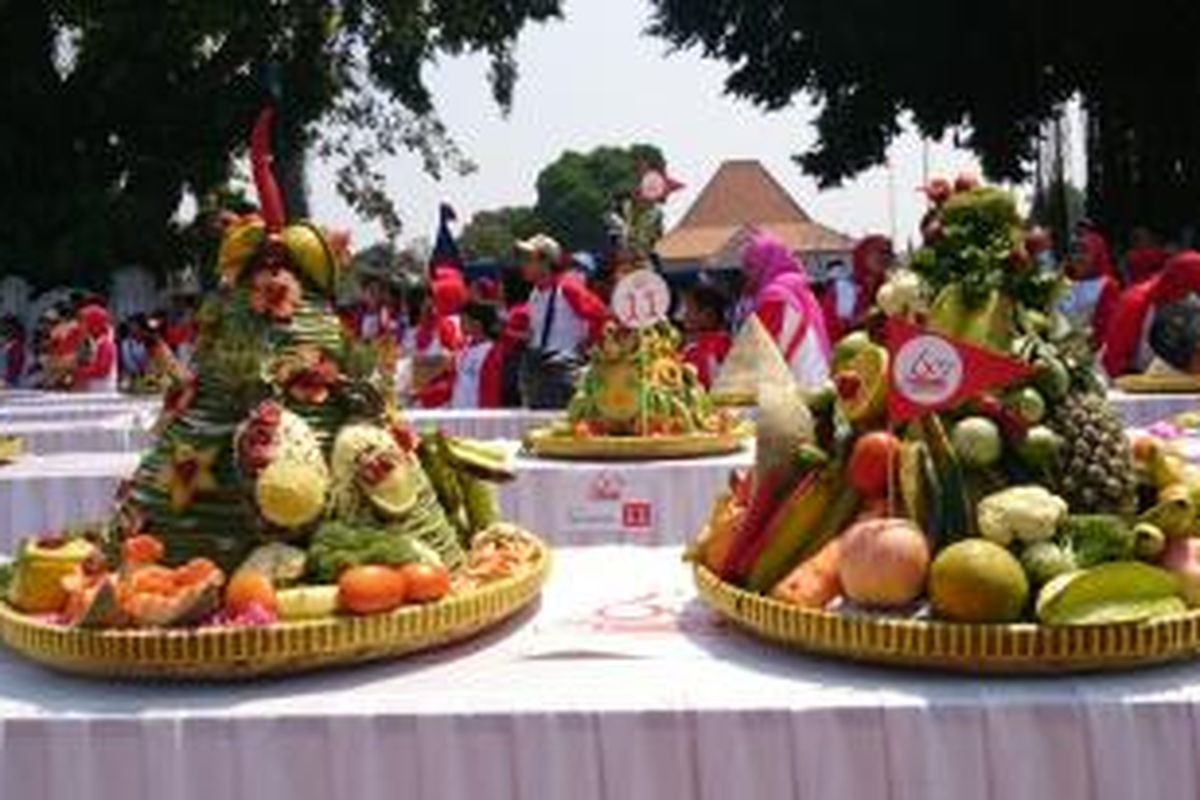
{"x":275,"y":292}
{"x":307,"y":375}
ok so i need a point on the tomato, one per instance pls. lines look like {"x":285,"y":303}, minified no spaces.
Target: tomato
{"x":372,"y":589}
{"x":248,"y":588}
{"x":142,"y":549}
{"x":874,"y":456}
{"x":426,"y":582}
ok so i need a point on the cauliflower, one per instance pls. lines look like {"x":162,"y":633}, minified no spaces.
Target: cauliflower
{"x":1026,"y":513}
{"x":903,"y":295}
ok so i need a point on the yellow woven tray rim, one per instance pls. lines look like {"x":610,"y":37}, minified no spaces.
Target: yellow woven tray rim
{"x":238,"y":653}
{"x":1159,"y":384}
{"x":994,"y":649}
{"x":544,"y":442}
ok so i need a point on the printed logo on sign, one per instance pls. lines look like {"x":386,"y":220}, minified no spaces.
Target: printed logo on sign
{"x":606,"y":486}
{"x":641,"y":299}
{"x":637,"y":514}
{"x":928,"y":370}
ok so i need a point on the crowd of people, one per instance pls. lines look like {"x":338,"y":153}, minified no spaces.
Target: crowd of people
{"x":519,"y":338}
{"x":74,"y":346}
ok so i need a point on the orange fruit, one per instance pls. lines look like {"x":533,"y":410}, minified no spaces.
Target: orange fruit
{"x":425,"y":582}
{"x":372,"y":589}
{"x":247,"y":588}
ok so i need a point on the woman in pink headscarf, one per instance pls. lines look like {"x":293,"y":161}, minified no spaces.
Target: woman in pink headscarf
{"x":779,"y":295}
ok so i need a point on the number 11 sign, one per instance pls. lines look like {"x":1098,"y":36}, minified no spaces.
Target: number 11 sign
{"x":641,"y":299}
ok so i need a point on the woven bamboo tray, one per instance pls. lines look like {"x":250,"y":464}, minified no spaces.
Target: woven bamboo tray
{"x":243,"y":653}
{"x":736,"y":399}
{"x":1159,"y":384}
{"x":546,"y":443}
{"x":11,"y":449}
{"x":990,"y":649}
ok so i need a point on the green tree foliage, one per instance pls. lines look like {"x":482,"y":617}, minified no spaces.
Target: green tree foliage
{"x":115,"y":110}
{"x":993,"y":72}
{"x":491,"y":233}
{"x":576,"y":192}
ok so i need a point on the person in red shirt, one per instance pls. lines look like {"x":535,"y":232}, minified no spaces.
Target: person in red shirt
{"x":846,"y":303}
{"x":479,"y":364}
{"x":97,"y":370}
{"x":1126,"y":345}
{"x":514,"y":340}
{"x":704,"y":325}
{"x":564,"y":316}
{"x":1094,"y":288}
{"x":437,"y":338}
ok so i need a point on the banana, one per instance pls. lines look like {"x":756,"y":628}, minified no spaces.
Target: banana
{"x":307,"y":602}
{"x":1174,"y":514}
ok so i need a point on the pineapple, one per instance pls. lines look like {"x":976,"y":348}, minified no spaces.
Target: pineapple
{"x":1097,"y":465}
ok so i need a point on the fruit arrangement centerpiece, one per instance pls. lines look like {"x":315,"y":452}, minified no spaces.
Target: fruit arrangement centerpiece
{"x":962,"y":496}
{"x":286,"y":517}
{"x":639,"y":399}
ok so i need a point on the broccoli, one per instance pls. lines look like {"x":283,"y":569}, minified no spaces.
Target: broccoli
{"x":1097,"y":538}
{"x":337,"y":546}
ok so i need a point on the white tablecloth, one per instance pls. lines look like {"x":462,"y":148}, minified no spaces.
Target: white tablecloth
{"x":565,"y":502}
{"x":648,"y":503}
{"x":39,"y":494}
{"x":508,"y":423}
{"x":118,"y":433}
{"x":31,"y":406}
{"x":619,"y":686}
{"x":1139,"y":410}
{"x":139,"y":412}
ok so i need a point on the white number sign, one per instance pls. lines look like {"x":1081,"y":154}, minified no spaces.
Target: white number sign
{"x":641,"y":299}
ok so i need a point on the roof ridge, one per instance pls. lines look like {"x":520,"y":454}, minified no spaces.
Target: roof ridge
{"x":768,"y":200}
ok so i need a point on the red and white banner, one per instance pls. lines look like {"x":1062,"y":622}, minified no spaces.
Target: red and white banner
{"x":929,"y":372}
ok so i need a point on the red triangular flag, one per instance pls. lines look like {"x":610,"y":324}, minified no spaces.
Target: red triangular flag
{"x":928,"y":372}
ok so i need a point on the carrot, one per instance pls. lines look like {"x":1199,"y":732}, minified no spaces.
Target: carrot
{"x":814,"y":582}
{"x":754,"y":533}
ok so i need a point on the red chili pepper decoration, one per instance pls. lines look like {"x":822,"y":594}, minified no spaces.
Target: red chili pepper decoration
{"x":261,"y":158}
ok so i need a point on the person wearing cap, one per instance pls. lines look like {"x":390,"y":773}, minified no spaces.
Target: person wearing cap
{"x":563,"y":317}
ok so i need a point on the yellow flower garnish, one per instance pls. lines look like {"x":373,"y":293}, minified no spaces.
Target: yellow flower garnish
{"x":188,"y":473}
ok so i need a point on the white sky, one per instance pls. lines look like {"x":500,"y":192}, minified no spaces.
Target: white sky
{"x":595,"y":79}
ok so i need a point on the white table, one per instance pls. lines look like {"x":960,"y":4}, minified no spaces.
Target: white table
{"x":109,"y":434}
{"x":1139,"y":410}
{"x":565,"y":502}
{"x":647,"y":503}
{"x":619,"y":686}
{"x":507,"y":423}
{"x":39,"y":494}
